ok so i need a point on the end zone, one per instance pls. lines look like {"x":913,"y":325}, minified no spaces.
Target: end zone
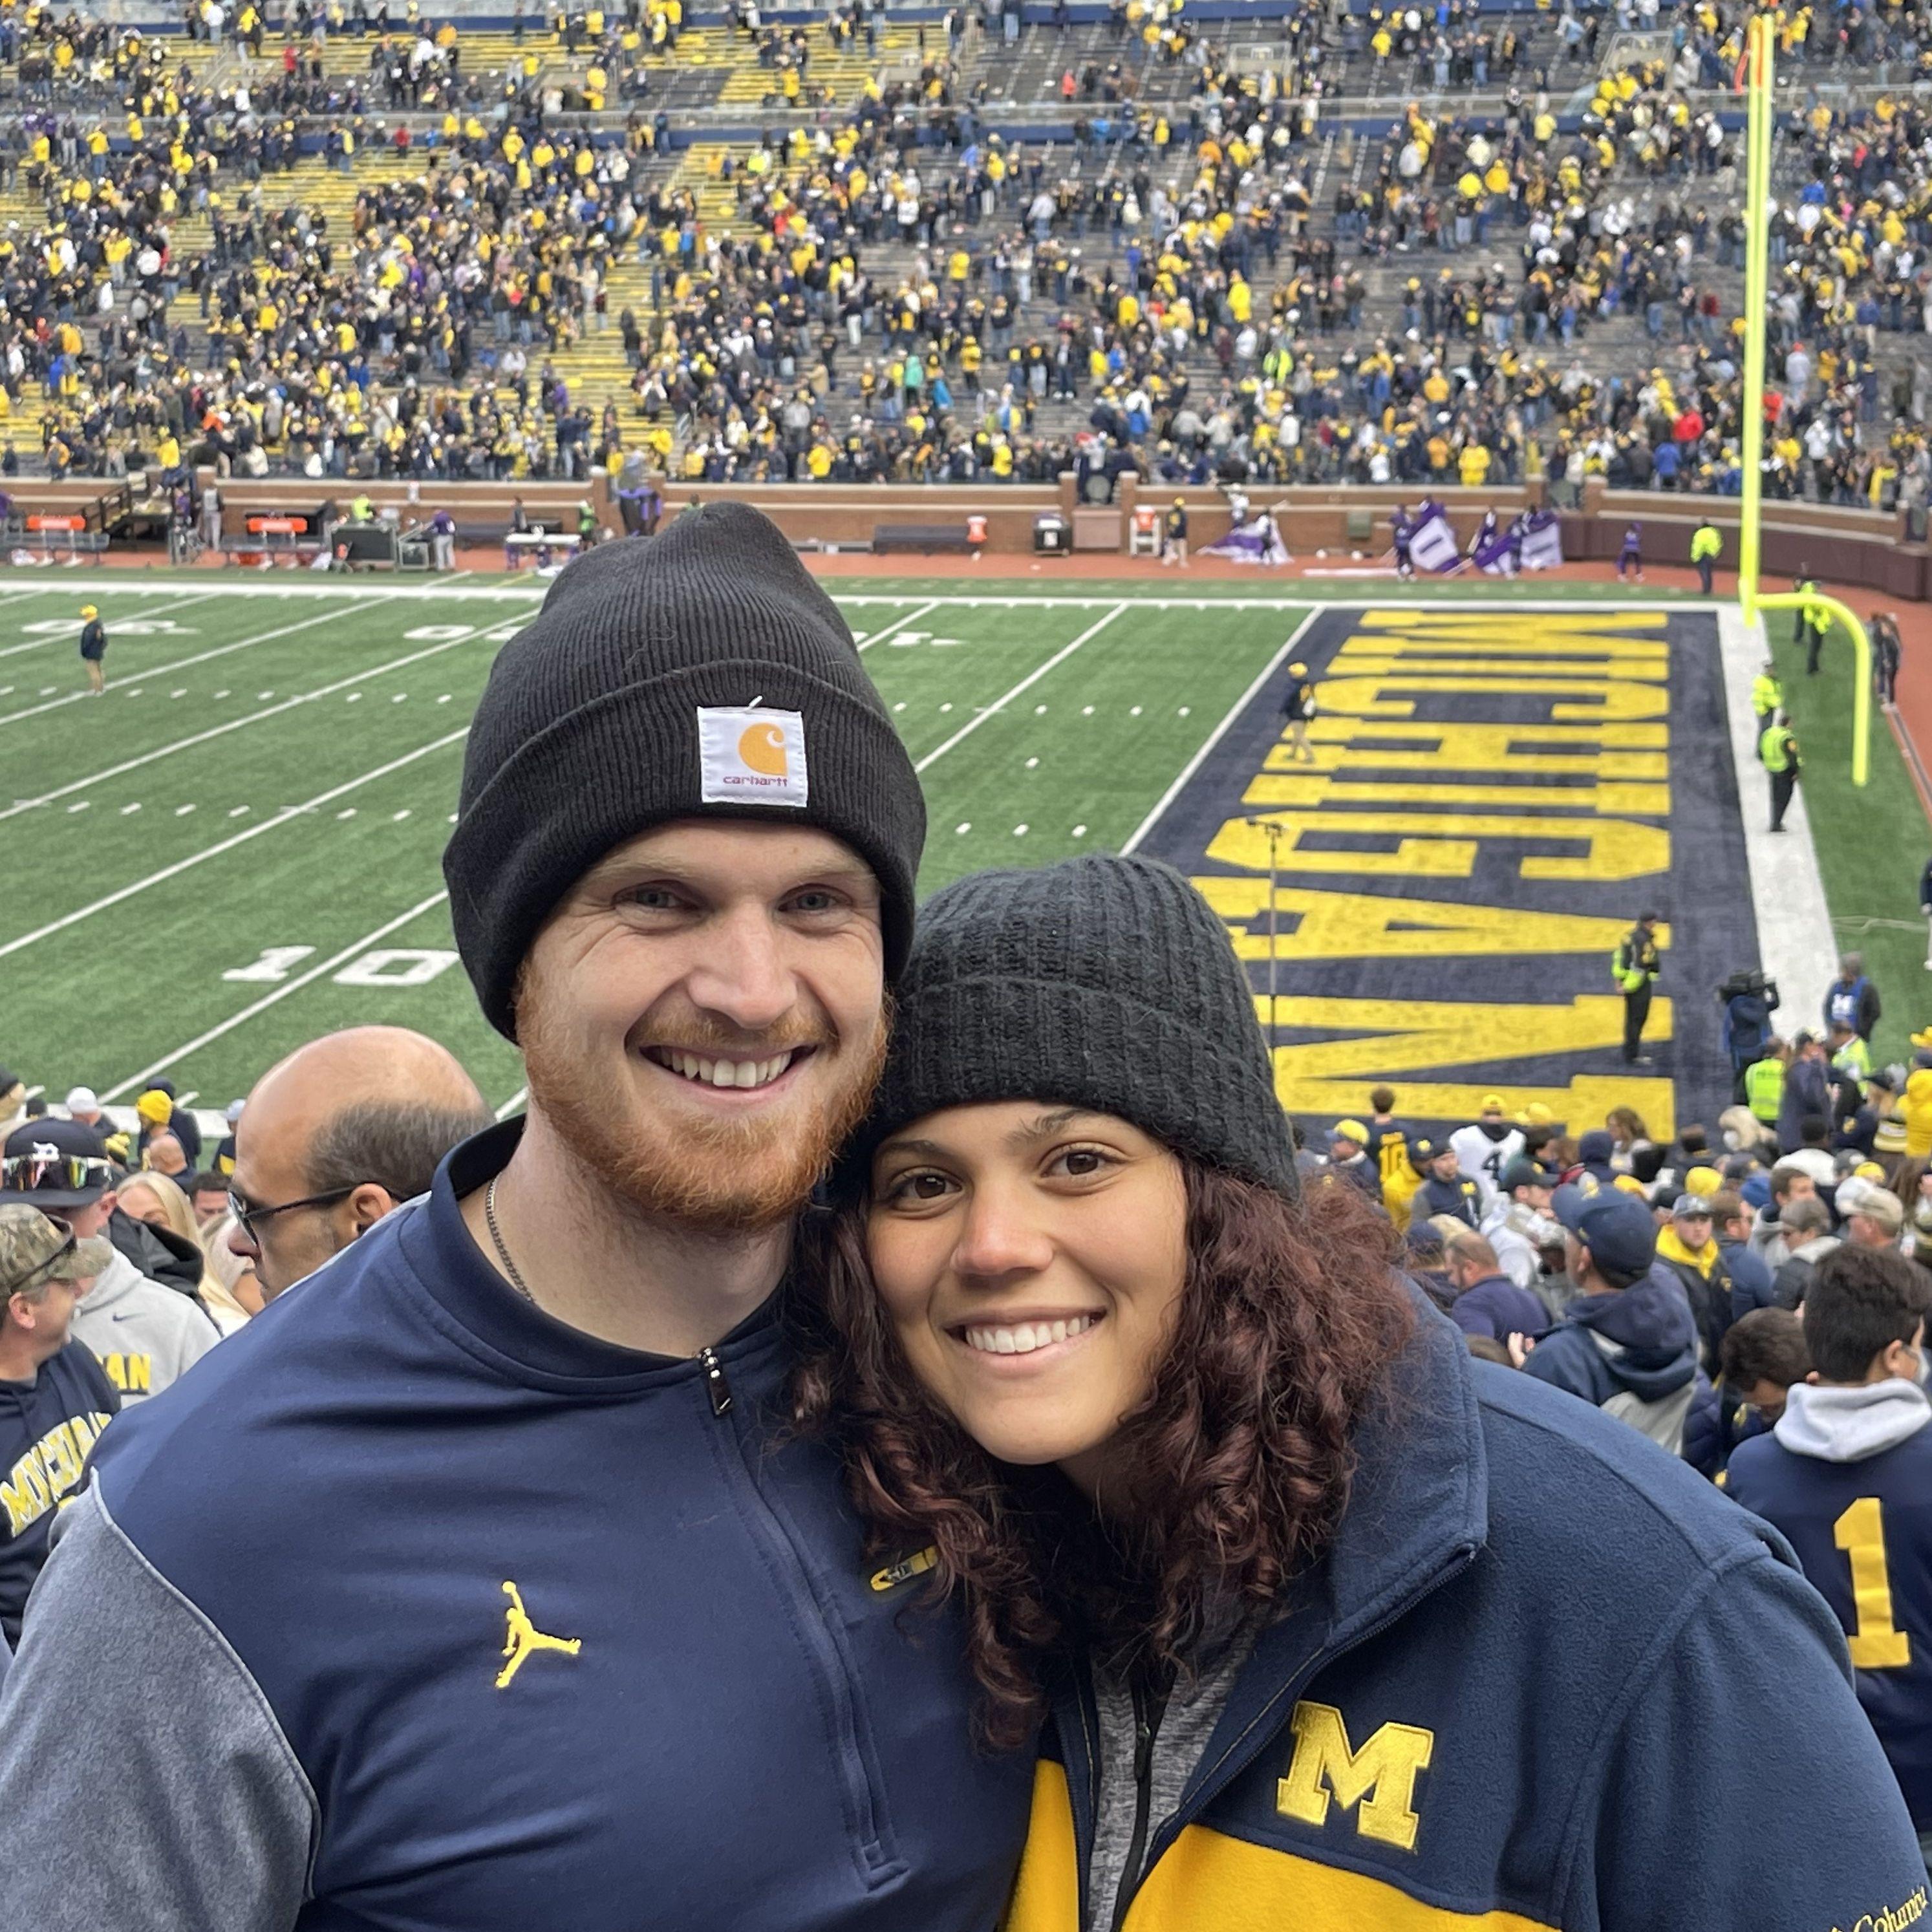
{"x":1495,"y":796}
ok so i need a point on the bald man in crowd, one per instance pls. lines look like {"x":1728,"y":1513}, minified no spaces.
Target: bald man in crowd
{"x":336,"y":1134}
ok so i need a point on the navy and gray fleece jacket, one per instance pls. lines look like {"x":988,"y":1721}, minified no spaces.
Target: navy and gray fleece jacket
{"x":1546,"y":1679}
{"x":416,"y":1609}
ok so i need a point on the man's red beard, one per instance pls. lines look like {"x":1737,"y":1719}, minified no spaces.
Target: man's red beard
{"x":722,"y":1175}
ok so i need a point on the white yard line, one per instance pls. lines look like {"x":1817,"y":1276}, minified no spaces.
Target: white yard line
{"x":134,"y":1080}
{"x":1796,"y":945}
{"x":1353,"y":600}
{"x":511,"y":1105}
{"x":1025,"y":684}
{"x":430,"y":589}
{"x":233,"y":724}
{"x":899,"y":624}
{"x":1284,"y":596}
{"x":1219,"y":731}
{"x":179,"y":663}
{"x":286,"y":817}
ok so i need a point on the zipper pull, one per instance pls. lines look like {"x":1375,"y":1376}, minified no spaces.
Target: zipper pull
{"x":1143,"y":1750}
{"x":716,"y":1385}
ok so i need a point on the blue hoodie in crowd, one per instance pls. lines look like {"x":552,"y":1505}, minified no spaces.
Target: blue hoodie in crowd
{"x":1633,"y":1349}
{"x":1750,"y":1279}
{"x":1846,"y":1475}
{"x":1496,"y":1307}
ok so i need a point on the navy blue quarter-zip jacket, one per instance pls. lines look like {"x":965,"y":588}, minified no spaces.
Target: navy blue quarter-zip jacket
{"x":456,"y":1618}
{"x":1515,"y":1695}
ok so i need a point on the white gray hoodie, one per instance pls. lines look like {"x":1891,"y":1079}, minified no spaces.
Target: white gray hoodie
{"x":145,"y":1335}
{"x":1837,"y":1424}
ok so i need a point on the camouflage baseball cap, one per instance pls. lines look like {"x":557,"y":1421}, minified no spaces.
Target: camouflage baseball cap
{"x":35,"y":1249}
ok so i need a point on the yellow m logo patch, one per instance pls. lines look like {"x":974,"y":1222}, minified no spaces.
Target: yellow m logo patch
{"x":1377,"y":1782}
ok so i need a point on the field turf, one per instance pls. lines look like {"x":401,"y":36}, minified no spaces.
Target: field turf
{"x":237,"y":847}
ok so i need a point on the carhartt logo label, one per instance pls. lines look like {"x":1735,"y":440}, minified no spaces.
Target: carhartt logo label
{"x":752,"y":756}
{"x":522,"y":1640}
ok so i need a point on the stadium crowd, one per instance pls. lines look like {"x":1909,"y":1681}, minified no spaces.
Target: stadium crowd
{"x":1496,"y":298}
{"x":1032,"y":1294}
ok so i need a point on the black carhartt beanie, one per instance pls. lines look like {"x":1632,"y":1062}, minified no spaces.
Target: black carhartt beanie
{"x":698,"y":674}
{"x":1103,"y":982}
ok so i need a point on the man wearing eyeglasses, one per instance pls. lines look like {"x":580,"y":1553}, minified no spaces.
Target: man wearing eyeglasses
{"x":54,"y":1398}
{"x":144,"y":1336}
{"x":336,"y":1134}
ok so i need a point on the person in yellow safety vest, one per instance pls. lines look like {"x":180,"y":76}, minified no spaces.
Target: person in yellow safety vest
{"x":1767,"y":696}
{"x":360,"y":509}
{"x":1808,"y":626}
{"x":1706,"y":546}
{"x":1848,"y":1053}
{"x":1778,"y":752}
{"x":1634,"y":966}
{"x":1764,"y":1084}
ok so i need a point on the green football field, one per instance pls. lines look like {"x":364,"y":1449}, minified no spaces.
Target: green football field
{"x":237,"y":847}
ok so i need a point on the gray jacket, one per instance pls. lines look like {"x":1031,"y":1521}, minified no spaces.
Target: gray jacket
{"x":145,"y":1335}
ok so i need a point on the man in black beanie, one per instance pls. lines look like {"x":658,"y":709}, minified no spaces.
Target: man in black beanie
{"x":474,"y":1586}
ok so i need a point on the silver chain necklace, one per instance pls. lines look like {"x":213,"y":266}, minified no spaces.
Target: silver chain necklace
{"x":516,"y":1281}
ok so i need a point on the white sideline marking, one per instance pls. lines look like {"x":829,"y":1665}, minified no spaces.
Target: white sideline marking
{"x":281,"y":992}
{"x":1284,"y":598}
{"x":1795,"y":941}
{"x":287,"y":813}
{"x":1214,"y":737}
{"x":1025,"y":684}
{"x":511,"y":1105}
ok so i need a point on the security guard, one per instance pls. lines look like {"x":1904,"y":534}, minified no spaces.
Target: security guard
{"x":1634,"y":966}
{"x":1767,"y":695}
{"x":586,"y":524}
{"x":93,"y":649}
{"x":1297,"y":706}
{"x":1764,"y":1084}
{"x":362,"y":509}
{"x":1174,"y":539}
{"x":1809,"y":626}
{"x":1706,"y":546}
{"x":1778,"y":752}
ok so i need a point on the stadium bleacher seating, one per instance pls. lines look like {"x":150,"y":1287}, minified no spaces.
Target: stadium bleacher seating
{"x":1332,"y":243}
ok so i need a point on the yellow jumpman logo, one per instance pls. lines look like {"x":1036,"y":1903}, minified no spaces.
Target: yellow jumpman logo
{"x":523,"y":1638}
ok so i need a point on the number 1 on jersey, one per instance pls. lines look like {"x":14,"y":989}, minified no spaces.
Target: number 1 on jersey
{"x":1877,"y":1644}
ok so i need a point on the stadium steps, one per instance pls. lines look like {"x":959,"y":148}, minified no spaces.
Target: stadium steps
{"x":746,"y":83}
{"x":348,"y":55}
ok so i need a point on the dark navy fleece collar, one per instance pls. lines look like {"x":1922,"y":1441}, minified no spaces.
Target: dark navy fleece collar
{"x":484,"y":1313}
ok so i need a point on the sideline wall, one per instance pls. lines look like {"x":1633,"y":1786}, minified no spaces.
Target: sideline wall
{"x":1875,"y":550}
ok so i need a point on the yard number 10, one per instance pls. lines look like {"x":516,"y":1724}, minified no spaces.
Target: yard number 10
{"x":1877,"y":1643}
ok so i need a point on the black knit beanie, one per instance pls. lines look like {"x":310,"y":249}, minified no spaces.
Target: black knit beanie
{"x":1102,"y":982}
{"x":698,"y":674}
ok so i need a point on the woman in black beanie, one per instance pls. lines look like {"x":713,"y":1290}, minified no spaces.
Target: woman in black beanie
{"x":1335,"y":1627}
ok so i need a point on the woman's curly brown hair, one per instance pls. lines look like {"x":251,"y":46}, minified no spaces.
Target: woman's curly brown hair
{"x":1288,"y":1316}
